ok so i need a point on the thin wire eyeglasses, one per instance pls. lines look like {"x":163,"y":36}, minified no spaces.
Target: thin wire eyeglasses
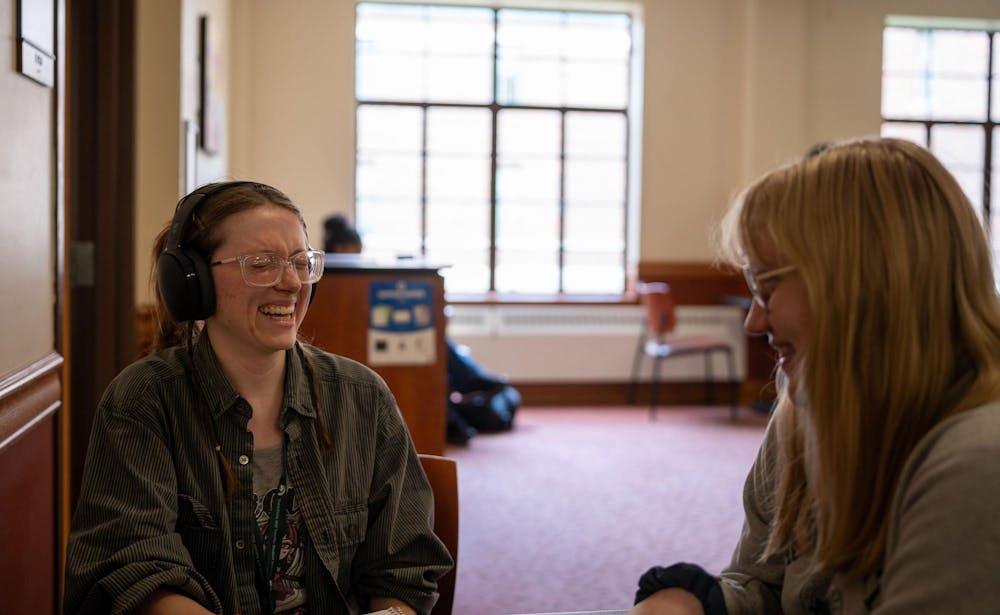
{"x":754,"y":281}
{"x":265,"y":269}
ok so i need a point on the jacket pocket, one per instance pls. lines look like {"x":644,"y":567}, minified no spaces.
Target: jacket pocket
{"x":201,"y":536}
{"x":350,"y":523}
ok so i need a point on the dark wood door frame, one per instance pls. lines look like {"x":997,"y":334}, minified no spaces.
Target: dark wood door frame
{"x":100,"y":218}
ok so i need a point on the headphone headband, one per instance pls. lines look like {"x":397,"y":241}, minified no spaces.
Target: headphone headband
{"x":187,"y":206}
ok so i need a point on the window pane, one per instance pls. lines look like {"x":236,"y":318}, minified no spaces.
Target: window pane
{"x":458,"y":200}
{"x":424,"y":53}
{"x":389,"y":27}
{"x":529,"y":81}
{"x":904,"y":50}
{"x":588,"y":179}
{"x":962,"y":150}
{"x":527,"y":246}
{"x":389,"y":128}
{"x":389,"y":227}
{"x":596,"y":84}
{"x":563,"y":59}
{"x":528,"y":145}
{"x":904,"y":97}
{"x":594,"y":272}
{"x":959,"y":52}
{"x":530,"y":34}
{"x":388,"y":77}
{"x":469,"y":273}
{"x":388,"y":180}
{"x":528,"y":132}
{"x":454,"y":79}
{"x":996,"y":79}
{"x":595,"y":135}
{"x":527,"y":272}
{"x":995,"y":206}
{"x":594,"y":226}
{"x":958,"y":98}
{"x":905,"y":130}
{"x":934,"y":74}
{"x":597,"y":36}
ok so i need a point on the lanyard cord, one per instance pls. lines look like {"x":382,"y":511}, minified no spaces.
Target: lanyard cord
{"x":268,"y":551}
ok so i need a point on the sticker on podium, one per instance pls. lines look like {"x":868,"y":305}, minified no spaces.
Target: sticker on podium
{"x":401,"y":323}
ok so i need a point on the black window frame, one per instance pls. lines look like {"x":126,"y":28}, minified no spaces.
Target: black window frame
{"x":495,"y":108}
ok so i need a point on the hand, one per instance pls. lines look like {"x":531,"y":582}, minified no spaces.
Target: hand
{"x":381,"y":604}
{"x":673,"y":601}
{"x":169,"y":602}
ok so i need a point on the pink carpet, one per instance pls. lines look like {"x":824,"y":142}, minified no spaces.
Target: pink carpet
{"x":565,"y":512}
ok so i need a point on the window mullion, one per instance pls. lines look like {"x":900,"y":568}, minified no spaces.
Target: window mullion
{"x":561,"y":245}
{"x":988,"y":129}
{"x":423,"y":180}
{"x":494,"y":112}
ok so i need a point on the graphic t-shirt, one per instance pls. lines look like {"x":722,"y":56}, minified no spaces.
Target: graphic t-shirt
{"x":288,"y":582}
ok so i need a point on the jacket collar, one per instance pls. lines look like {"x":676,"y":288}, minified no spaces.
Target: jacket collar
{"x":221,"y":396}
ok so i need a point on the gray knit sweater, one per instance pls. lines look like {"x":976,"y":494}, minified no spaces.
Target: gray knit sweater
{"x":943,"y":549}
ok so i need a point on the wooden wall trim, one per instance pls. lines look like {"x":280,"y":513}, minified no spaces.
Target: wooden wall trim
{"x":670,"y":393}
{"x":694,"y":283}
{"x":29,"y":395}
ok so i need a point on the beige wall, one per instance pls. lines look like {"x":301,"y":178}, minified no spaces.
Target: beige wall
{"x":293,"y":116}
{"x":27,"y":236}
{"x":732,"y":88}
{"x":167,"y":94}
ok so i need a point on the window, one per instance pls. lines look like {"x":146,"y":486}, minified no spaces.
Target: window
{"x":495,"y":141}
{"x":941,"y":89}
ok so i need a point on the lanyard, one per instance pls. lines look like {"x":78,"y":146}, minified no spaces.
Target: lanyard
{"x":268,"y":551}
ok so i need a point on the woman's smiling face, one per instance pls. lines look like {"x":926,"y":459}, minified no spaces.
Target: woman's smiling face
{"x":258,"y":321}
{"x":787,"y":319}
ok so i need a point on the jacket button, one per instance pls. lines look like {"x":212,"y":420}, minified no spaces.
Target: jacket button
{"x":244,"y":460}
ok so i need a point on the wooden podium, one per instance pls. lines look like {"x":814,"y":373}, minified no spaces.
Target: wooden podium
{"x":340,"y":320}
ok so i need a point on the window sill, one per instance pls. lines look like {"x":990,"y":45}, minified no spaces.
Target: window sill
{"x":494,"y":298}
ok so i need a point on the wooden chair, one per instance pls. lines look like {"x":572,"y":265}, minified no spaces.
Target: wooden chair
{"x":443,"y":476}
{"x":656,"y":341}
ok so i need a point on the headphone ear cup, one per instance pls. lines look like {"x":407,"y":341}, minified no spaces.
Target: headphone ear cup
{"x":185,"y":282}
{"x":206,"y":286}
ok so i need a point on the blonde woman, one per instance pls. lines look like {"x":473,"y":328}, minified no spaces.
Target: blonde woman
{"x":877,"y":487}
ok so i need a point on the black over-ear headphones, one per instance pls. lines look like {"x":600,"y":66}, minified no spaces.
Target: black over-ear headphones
{"x":182,"y":274}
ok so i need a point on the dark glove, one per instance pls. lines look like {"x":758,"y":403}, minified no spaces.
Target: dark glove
{"x":685,"y":576}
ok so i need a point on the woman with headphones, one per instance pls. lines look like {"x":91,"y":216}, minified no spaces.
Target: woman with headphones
{"x":877,"y":487}
{"x":237,"y":469}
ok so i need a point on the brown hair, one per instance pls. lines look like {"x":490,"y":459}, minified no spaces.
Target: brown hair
{"x":906,"y":331}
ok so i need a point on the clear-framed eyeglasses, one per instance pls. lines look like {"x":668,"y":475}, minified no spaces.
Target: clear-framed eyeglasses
{"x":755,"y":280}
{"x":265,"y":269}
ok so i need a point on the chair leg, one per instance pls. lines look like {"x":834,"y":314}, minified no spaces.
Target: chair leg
{"x":633,"y":382}
{"x":709,"y":379}
{"x":653,"y":384}
{"x":734,"y":391}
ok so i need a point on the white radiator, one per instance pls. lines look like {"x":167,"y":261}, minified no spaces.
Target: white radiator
{"x":586,"y":343}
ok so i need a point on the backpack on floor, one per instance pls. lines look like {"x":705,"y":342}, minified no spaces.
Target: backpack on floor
{"x":487,"y":410}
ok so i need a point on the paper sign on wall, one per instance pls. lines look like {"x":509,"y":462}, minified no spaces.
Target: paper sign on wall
{"x":401,"y":323}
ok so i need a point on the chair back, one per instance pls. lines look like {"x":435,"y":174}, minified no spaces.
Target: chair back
{"x":659,"y":307}
{"x":442,"y":474}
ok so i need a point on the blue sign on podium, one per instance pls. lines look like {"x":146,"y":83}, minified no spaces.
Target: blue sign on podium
{"x":401,"y":323}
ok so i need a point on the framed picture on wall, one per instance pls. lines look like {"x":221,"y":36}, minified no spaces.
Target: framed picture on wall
{"x":212,"y":105}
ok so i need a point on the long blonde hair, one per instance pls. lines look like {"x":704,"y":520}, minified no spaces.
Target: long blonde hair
{"x":906,"y":331}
